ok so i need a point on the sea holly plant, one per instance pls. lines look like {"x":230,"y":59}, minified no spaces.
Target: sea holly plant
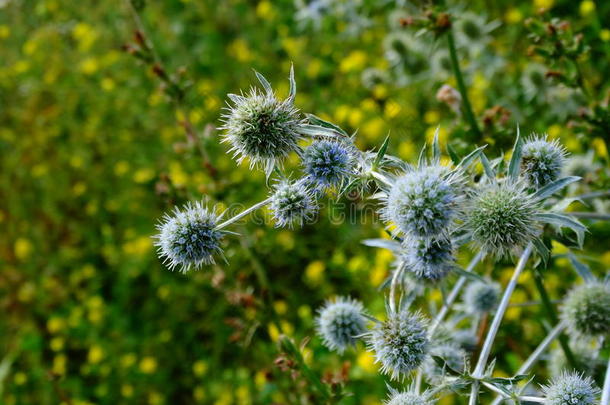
{"x":434,"y":211}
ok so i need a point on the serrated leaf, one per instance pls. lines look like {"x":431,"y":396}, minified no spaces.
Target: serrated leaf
{"x":554,"y":187}
{"x":515,"y":159}
{"x":445,"y":367}
{"x":581,"y":268}
{"x":542,"y":250}
{"x":266,"y":85}
{"x":381,"y":152}
{"x":436,"y":149}
{"x":315,"y":120}
{"x":293,"y":84}
{"x":470,"y":157}
{"x":453,"y":154}
{"x":421,"y":161}
{"x":489,"y":171}
{"x":316,"y":130}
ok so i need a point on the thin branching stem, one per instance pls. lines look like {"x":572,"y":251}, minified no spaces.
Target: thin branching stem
{"x":243,"y":213}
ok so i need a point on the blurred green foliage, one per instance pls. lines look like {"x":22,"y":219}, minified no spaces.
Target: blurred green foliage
{"x":94,"y":151}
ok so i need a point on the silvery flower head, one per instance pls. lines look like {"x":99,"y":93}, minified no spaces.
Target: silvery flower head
{"x":400,"y":343}
{"x":292,"y":203}
{"x":372,"y":77}
{"x":405,"y":53}
{"x":501,"y":218}
{"x":571,"y":389}
{"x":424,"y":202}
{"x":409,"y":397}
{"x":586,"y":310}
{"x":262,"y":128}
{"x":429,"y":260}
{"x":542,"y":161}
{"x":481,"y":297}
{"x":188,"y":238}
{"x":452,"y":355}
{"x":339,"y":323}
{"x":587,"y":358}
{"x":327,"y":163}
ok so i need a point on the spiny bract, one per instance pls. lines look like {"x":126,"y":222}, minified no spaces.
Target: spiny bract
{"x":501,"y":218}
{"x":542,"y":161}
{"x":327,"y":163}
{"x":429,"y":260}
{"x":262,"y":128}
{"x":570,"y":389}
{"x":587,"y":309}
{"x":400,"y":343}
{"x":452,"y":355}
{"x":407,"y":398}
{"x":292,"y":203}
{"x":481,"y":297}
{"x":188,"y":238}
{"x":423,"y":202}
{"x":339,"y":323}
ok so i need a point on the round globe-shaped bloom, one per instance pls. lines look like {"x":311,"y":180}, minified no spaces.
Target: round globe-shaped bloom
{"x":261,"y":128}
{"x":570,"y":389}
{"x":453,"y":356}
{"x":424,"y":202}
{"x":292,"y":203}
{"x":481,"y":297}
{"x":407,"y":398}
{"x":327,"y":163}
{"x":588,"y":360}
{"x":429,"y":260}
{"x":586,"y":310}
{"x":466,"y":339}
{"x":340,"y":322}
{"x":188,"y":237}
{"x":542,"y":161}
{"x":501,"y":218}
{"x":400,"y":343}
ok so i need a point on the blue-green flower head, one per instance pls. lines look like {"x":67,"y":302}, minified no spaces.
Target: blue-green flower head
{"x":588,"y":360}
{"x":327,"y":163}
{"x":340,"y":322}
{"x":407,"y":398}
{"x":292,"y":203}
{"x":430,"y":260}
{"x":501,"y":218}
{"x":261,"y":128}
{"x":481,"y":297}
{"x":400,"y":343}
{"x":188,"y":238}
{"x":424,"y":202}
{"x":586,"y":310}
{"x":542,"y":161}
{"x":452,"y":355}
{"x":571,"y":389}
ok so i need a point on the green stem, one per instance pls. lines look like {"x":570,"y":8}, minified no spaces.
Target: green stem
{"x":455,"y":65}
{"x":563,"y":340}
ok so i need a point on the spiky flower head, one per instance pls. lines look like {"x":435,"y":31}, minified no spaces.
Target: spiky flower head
{"x":424,"y":202}
{"x":481,"y":297}
{"x":327,"y":163}
{"x":501,"y":218}
{"x":452,"y":355}
{"x":586,"y":310}
{"x":339,"y":323}
{"x":292,"y":203}
{"x":407,"y":398}
{"x":188,"y":238}
{"x":262,"y":128}
{"x":400,"y":343}
{"x":588,"y":360}
{"x":429,"y":260}
{"x":570,"y":389}
{"x":542,"y":161}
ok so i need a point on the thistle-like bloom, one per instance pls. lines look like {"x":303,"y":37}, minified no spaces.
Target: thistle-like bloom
{"x":588,"y":360}
{"x":501,"y":218}
{"x":429,"y":260}
{"x":424,"y":202}
{"x":407,"y":398}
{"x":400,"y":343}
{"x":327,"y":163}
{"x":571,"y":389}
{"x":542,"y":161}
{"x":262,"y":128}
{"x":292,"y":203}
{"x":340,"y":322}
{"x":453,"y":356}
{"x":481,"y":297}
{"x":188,"y":238}
{"x":586,"y":310}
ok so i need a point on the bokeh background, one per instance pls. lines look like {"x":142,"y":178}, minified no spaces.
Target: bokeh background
{"x":95,"y":148}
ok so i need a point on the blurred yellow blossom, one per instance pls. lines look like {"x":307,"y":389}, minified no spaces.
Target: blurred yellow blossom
{"x":148,"y":365}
